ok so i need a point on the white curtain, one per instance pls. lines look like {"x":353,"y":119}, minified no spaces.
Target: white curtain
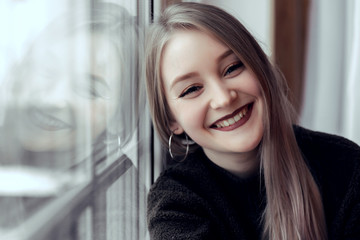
{"x":255,"y":15}
{"x":332,"y":84}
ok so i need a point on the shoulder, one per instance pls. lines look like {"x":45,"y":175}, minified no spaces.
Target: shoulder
{"x":310,"y":138}
{"x":329,"y":149}
{"x":333,"y":160}
{"x":175,"y":205}
{"x":181,"y":182}
{"x":183,"y":174}
{"x":335,"y":164}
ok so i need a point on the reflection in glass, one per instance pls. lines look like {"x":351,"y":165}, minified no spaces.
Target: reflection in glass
{"x":71,"y":101}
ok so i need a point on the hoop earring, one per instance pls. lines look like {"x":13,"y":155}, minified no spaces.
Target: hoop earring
{"x":187,"y":146}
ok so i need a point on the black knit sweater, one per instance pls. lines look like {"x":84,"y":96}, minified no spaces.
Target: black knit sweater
{"x":196,"y":199}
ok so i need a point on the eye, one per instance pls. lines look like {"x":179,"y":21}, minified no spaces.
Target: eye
{"x":233,"y":69}
{"x":190,"y":90}
{"x":99,"y":87}
{"x":91,"y":86}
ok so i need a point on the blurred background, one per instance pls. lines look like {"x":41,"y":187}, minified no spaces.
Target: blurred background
{"x":77,"y":149}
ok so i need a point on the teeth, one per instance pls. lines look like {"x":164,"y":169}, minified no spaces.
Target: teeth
{"x":230,"y":121}
{"x":47,"y":122}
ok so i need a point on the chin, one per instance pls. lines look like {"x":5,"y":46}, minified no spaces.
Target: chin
{"x":247,"y":146}
{"x":47,"y":145}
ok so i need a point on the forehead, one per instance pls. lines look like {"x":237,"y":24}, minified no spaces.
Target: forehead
{"x":78,"y":52}
{"x":189,"y":50}
{"x":182,"y":40}
{"x":79,"y":45}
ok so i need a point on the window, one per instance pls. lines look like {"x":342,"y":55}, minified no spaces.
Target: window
{"x":74,"y":132}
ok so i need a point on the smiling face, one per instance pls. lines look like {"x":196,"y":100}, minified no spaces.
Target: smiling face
{"x":69,"y":92}
{"x":213,"y":96}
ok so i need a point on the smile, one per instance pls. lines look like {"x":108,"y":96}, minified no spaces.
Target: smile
{"x":234,"y":120}
{"x":46,"y":121}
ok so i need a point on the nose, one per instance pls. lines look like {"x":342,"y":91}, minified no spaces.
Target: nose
{"x":222,"y":96}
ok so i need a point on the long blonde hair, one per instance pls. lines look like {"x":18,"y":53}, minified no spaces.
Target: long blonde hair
{"x":294,"y":207}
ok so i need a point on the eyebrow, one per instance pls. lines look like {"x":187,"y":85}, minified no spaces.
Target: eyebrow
{"x":194,"y":74}
{"x":183,"y":77}
{"x":224,"y":55}
{"x":96,"y":77}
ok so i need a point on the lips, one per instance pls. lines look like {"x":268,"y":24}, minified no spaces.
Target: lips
{"x":235,"y":119}
{"x":47,"y":120}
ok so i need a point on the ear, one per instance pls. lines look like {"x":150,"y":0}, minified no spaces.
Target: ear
{"x":176,"y":128}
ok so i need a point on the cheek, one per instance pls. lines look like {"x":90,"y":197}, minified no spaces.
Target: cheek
{"x":252,"y":85}
{"x":101,"y":114}
{"x":191,"y":116}
{"x":93,"y":114}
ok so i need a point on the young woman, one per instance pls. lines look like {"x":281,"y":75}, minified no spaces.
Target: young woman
{"x":70,"y":103}
{"x":76,"y":84}
{"x":251,"y":173}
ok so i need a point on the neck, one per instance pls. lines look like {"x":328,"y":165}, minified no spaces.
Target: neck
{"x":242,"y":165}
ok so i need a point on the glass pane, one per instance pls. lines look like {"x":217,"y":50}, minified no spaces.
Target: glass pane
{"x":69,"y":113}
